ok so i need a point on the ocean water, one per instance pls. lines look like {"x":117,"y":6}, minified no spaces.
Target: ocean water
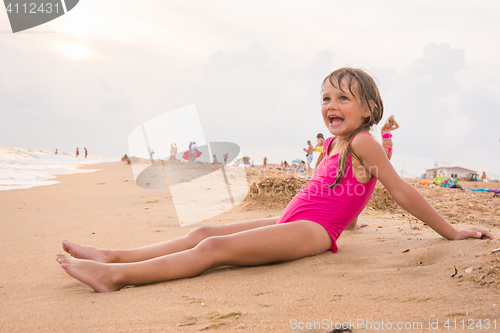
{"x":23,"y":168}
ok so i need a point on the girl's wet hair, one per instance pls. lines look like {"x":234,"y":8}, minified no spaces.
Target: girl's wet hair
{"x":363,"y":87}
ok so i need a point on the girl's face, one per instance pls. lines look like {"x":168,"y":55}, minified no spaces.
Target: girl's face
{"x":342,"y":112}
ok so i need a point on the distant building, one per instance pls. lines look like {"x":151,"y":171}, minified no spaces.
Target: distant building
{"x":452,"y":172}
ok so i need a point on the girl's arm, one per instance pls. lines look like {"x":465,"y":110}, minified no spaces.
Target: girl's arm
{"x":374,"y":159}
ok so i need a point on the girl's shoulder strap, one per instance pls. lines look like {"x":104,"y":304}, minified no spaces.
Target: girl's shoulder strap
{"x":360,"y":133}
{"x":327,"y":144}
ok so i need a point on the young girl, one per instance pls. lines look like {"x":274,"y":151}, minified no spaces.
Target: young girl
{"x":390,"y":125}
{"x":311,"y":223}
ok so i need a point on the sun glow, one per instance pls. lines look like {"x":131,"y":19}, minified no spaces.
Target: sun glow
{"x":73,"y":50}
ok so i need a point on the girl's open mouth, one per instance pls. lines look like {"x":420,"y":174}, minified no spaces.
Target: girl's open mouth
{"x":336,"y":121}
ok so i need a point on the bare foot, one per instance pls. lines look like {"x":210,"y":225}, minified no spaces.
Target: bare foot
{"x":99,"y":276}
{"x":356,"y":226}
{"x":87,"y":252}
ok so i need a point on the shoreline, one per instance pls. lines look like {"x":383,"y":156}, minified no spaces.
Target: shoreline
{"x":395,"y":269}
{"x":25,"y":174}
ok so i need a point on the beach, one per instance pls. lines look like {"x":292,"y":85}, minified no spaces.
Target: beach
{"x":396,"y":270}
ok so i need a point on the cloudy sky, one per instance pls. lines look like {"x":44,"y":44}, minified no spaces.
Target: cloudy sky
{"x":253,"y":70}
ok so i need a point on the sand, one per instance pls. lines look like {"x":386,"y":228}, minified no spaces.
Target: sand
{"x":394,"y":270}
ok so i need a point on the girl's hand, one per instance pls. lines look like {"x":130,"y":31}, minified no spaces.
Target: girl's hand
{"x":358,"y":225}
{"x":375,"y":161}
{"x":472,"y":233}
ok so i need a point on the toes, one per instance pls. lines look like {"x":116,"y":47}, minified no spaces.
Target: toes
{"x":62,"y":258}
{"x":66,"y":245}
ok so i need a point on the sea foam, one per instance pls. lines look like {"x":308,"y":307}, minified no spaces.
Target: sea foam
{"x":23,"y":168}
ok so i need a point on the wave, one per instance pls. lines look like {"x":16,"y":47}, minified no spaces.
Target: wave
{"x":23,"y":168}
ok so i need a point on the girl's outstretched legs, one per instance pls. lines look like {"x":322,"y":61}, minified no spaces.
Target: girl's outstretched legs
{"x":258,"y":246}
{"x":160,"y":249}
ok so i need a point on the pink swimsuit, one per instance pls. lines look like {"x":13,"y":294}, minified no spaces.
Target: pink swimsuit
{"x":387,"y":136}
{"x":333,"y":208}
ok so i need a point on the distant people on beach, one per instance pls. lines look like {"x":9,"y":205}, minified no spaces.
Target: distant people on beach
{"x":287,"y":167}
{"x":77,"y":151}
{"x":86,"y":152}
{"x":190,"y":152}
{"x":125,"y":158}
{"x":265,"y":162}
{"x":483,"y":177}
{"x":320,"y":141}
{"x":226,"y":155}
{"x":390,"y":125}
{"x":193,"y":151}
{"x":151,"y":154}
{"x":56,"y":152}
{"x":173,"y":152}
{"x":309,"y":154}
{"x":301,"y":166}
